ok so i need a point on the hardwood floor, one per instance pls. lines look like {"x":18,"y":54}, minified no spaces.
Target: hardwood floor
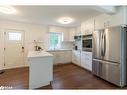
{"x":17,"y":78}
{"x":65,"y":77}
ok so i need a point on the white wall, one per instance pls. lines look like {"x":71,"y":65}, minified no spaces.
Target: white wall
{"x":67,"y":45}
{"x":125,"y":11}
{"x":72,"y":33}
{"x":60,"y":29}
{"x":32,"y":32}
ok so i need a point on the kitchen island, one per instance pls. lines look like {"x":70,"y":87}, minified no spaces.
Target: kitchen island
{"x":40,"y":68}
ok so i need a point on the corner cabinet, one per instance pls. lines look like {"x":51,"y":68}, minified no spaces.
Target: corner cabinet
{"x":61,"y":56}
{"x":86,"y":60}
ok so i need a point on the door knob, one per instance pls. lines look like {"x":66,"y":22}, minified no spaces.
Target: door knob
{"x":22,"y":49}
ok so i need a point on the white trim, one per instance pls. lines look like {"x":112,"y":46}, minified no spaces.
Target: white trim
{"x":16,"y":67}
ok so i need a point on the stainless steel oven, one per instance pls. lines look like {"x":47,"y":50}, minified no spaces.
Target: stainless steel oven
{"x":87,"y":43}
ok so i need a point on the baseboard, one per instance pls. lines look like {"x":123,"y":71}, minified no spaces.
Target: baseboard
{"x":16,"y":67}
{"x":59,"y":64}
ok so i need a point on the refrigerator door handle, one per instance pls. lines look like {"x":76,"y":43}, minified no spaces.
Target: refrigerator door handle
{"x":104,"y":43}
{"x":101,"y":42}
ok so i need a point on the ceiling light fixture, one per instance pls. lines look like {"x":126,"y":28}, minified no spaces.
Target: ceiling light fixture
{"x":7,"y":10}
{"x":65,"y":20}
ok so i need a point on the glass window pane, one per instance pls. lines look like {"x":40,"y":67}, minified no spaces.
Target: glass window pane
{"x":14,"y":36}
{"x":55,"y":40}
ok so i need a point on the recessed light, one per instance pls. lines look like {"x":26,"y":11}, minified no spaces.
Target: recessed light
{"x":65,"y":20}
{"x":7,"y":10}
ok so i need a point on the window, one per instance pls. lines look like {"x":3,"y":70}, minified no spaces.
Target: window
{"x":55,"y":40}
{"x":14,"y":36}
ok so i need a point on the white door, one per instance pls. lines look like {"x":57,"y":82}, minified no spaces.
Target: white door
{"x":1,"y":49}
{"x":14,"y":48}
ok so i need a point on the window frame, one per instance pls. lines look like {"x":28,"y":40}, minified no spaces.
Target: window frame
{"x":14,"y":37}
{"x":59,"y":33}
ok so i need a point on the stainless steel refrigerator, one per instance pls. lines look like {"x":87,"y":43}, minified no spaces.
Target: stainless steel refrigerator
{"x":110,"y":54}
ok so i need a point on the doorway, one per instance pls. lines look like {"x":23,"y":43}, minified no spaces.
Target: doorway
{"x":13,"y":48}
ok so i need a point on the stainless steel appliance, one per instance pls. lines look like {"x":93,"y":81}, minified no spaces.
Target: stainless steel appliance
{"x":110,"y":54}
{"x":87,"y":43}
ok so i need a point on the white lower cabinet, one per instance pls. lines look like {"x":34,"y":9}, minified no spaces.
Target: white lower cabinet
{"x":86,"y":60}
{"x":76,"y":57}
{"x":68,"y":57}
{"x":60,"y":57}
{"x":80,"y":58}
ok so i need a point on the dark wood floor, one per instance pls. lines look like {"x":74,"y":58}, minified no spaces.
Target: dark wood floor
{"x":65,"y":77}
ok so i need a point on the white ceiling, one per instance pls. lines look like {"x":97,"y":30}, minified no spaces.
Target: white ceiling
{"x":49,"y":14}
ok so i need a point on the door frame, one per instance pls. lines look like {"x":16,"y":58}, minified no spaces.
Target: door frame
{"x":4,"y":48}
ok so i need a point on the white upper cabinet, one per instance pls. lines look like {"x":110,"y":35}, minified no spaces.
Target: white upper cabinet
{"x":87,"y":27}
{"x":118,"y":18}
{"x":108,"y":20}
{"x":104,"y":20}
{"x":101,"y":21}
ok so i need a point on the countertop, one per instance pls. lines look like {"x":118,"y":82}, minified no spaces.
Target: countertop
{"x":35,"y":54}
{"x":59,"y":50}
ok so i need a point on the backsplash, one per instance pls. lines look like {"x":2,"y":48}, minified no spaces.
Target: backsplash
{"x":67,"y":45}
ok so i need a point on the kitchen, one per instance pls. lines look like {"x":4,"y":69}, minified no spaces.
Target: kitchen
{"x":73,"y":45}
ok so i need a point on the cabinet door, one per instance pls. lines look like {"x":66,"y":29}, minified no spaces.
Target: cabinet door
{"x":86,"y":60}
{"x":83,"y":28}
{"x":73,"y":57}
{"x":101,"y":22}
{"x":67,"y":57}
{"x":59,"y":57}
{"x":76,"y":57}
{"x":87,"y":27}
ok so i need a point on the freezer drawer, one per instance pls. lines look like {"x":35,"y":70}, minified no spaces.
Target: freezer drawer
{"x":107,"y":70}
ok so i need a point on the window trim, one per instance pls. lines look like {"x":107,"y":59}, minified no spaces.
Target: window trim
{"x":13,"y":37}
{"x":61,"y":33}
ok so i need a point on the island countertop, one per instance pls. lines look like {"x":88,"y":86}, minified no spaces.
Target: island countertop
{"x":34,"y":54}
{"x":59,"y":50}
